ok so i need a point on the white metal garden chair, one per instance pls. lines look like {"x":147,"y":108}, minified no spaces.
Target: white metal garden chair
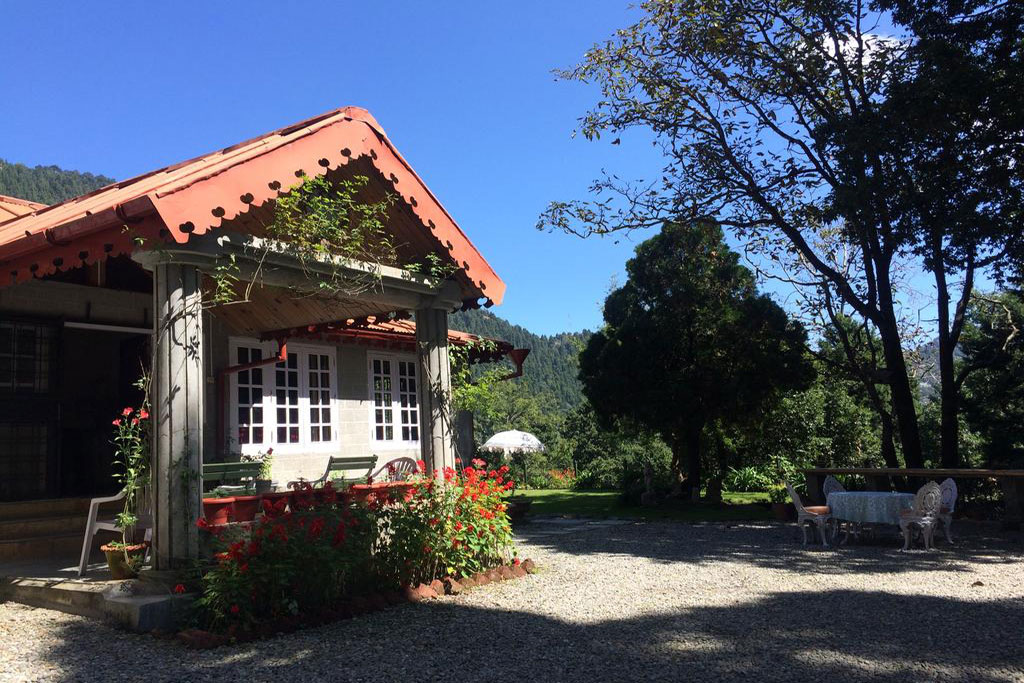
{"x":94,"y":523}
{"x":831,"y":485}
{"x":398,"y":469}
{"x":923,"y":515}
{"x":815,"y":515}
{"x":947,"y":506}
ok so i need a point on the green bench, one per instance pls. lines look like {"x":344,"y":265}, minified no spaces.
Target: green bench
{"x":341,"y":464}
{"x":218,"y":473}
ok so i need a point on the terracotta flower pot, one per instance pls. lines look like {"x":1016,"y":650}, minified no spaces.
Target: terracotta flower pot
{"x":218,"y":510}
{"x":784,"y":512}
{"x":117,"y":559}
{"x":384,"y":491}
{"x":246,"y":507}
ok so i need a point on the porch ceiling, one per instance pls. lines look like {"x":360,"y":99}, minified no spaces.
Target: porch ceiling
{"x":271,"y":309}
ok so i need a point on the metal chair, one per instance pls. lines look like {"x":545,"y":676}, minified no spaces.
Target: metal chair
{"x":830,"y":486}
{"x":947,"y":506}
{"x":815,"y":515}
{"x":398,"y":469}
{"x":923,"y":515}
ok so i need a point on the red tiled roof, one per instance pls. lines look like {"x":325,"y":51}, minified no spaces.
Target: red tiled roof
{"x":194,"y":196}
{"x":12,"y":207}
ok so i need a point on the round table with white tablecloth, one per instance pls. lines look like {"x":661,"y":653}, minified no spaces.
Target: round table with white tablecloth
{"x":869,"y":507}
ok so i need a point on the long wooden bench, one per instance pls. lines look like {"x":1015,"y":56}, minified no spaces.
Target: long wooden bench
{"x":340,"y":464}
{"x":217,"y":473}
{"x":880,"y":479}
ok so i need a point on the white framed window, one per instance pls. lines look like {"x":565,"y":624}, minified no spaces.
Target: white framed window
{"x":289,"y":405}
{"x":394,"y":400}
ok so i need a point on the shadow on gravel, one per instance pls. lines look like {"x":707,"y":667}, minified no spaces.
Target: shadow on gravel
{"x":778,"y":546}
{"x":798,"y":636}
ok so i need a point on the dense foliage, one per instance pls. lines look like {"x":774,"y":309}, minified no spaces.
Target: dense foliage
{"x":689,"y":343}
{"x":46,"y":184}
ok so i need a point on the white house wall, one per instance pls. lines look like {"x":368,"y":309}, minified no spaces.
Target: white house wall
{"x":353,"y":410}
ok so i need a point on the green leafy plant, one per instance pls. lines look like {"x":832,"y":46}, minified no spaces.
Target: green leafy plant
{"x":131,"y":462}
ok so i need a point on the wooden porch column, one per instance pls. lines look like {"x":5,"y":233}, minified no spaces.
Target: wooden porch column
{"x":437,"y":444}
{"x":177,"y":400}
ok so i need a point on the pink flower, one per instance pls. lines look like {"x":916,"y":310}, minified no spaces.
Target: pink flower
{"x":143,"y":414}
{"x":116,"y":423}
{"x":126,"y":412}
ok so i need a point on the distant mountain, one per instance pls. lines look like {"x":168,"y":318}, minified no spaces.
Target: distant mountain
{"x":551,"y":367}
{"x":924,"y":365}
{"x":46,"y":184}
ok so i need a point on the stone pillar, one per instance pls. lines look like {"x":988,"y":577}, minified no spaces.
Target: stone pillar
{"x":177,"y":401}
{"x":437,"y":445}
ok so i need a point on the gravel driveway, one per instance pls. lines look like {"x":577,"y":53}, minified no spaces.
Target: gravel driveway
{"x":619,"y":602}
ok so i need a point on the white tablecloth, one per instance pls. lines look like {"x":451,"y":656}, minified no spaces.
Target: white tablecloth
{"x":871,"y":507}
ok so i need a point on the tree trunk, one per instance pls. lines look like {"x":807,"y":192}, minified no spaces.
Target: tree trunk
{"x":676,"y":467}
{"x":888,"y":443}
{"x":692,"y":437}
{"x":949,"y":429}
{"x":902,"y":396}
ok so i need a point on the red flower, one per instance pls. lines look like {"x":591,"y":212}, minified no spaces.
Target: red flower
{"x":516,"y":562}
{"x":235,"y":609}
{"x":202,"y":523}
{"x":478,"y":462}
{"x":458,"y":526}
{"x":143,"y":414}
{"x":179,"y":589}
{"x":116,"y":423}
{"x":126,"y":412}
{"x":135,"y":421}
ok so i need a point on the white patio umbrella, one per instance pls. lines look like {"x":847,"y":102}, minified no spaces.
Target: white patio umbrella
{"x":513,"y":441}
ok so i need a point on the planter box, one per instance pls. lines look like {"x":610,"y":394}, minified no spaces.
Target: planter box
{"x":218,"y":510}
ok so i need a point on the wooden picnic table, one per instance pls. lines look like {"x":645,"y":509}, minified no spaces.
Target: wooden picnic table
{"x":880,"y":479}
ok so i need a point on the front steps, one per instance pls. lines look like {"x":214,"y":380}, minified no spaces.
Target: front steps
{"x":42,"y":529}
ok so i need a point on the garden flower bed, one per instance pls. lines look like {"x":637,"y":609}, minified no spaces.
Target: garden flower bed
{"x":319,"y":556}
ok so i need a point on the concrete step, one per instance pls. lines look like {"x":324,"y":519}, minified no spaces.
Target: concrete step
{"x":12,"y":529}
{"x":66,"y":544}
{"x":34,"y":509}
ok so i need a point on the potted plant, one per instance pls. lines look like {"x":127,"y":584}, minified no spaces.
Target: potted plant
{"x":131,"y":458}
{"x":266,"y":460}
{"x":245,"y":507}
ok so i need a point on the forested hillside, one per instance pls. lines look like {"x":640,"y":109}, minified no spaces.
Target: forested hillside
{"x":46,"y":184}
{"x":551,"y":367}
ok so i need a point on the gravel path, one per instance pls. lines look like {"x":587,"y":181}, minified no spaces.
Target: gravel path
{"x":620,"y":602}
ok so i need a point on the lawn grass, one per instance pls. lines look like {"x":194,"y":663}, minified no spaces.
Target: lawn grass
{"x":598,"y":504}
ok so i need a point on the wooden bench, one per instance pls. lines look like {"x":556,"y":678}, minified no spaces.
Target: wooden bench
{"x":880,"y":479}
{"x":342,"y":464}
{"x":217,"y":473}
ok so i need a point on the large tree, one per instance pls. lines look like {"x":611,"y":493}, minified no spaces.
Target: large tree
{"x":689,"y":342}
{"x":841,"y":158}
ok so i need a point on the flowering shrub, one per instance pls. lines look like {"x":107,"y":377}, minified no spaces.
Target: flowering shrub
{"x":321,"y":549}
{"x":453,"y":527}
{"x":131,"y":467}
{"x":293,"y":561}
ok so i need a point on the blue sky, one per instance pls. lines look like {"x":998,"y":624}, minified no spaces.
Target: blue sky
{"x":465,"y":91}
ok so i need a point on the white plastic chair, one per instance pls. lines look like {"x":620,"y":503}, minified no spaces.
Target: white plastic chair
{"x":817,"y":515}
{"x":94,"y":524}
{"x":947,"y":506}
{"x":923,"y":515}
